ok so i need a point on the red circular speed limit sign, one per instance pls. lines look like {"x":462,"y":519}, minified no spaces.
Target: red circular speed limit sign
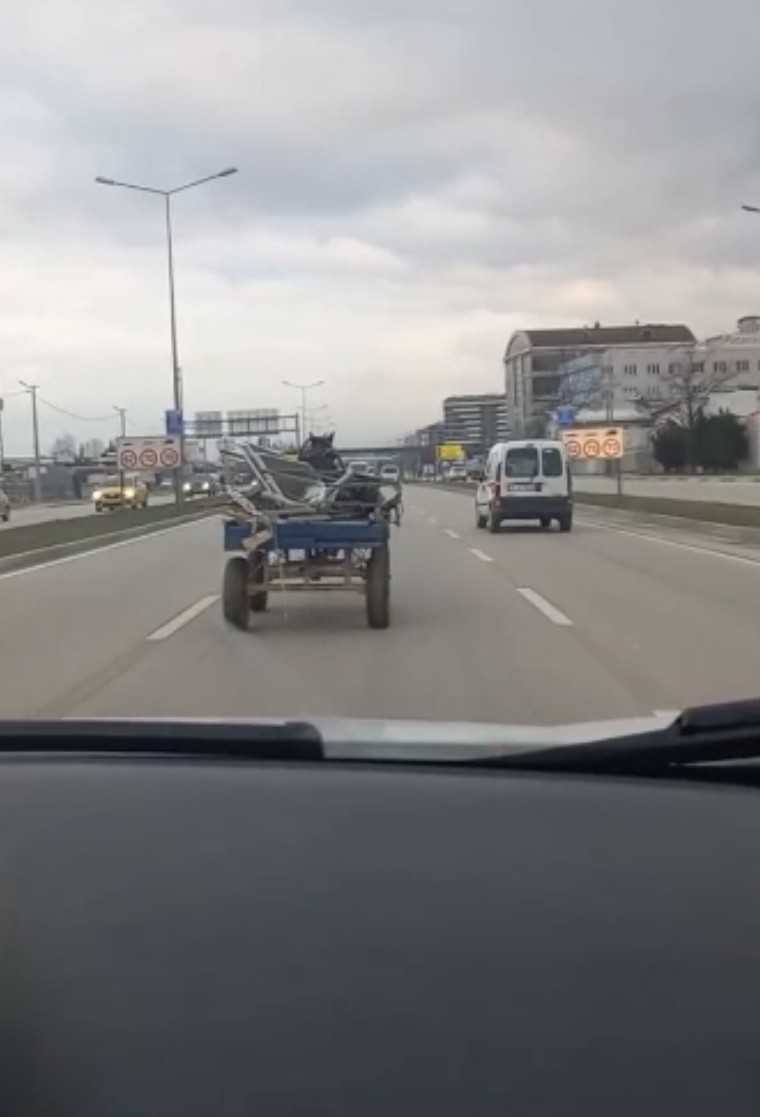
{"x":128,"y":459}
{"x":169,"y":458}
{"x":573,"y":448}
{"x":592,"y":448}
{"x":612,"y":448}
{"x":148,"y":458}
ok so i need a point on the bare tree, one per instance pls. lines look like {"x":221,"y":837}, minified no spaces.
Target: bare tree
{"x":689,"y":384}
{"x":64,"y":448}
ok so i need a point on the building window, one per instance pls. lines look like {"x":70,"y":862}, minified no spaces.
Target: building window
{"x":742,"y":366}
{"x":674,"y":368}
{"x":698,"y":366}
{"x":720,"y":366}
{"x":653,"y":370}
{"x":630,"y":370}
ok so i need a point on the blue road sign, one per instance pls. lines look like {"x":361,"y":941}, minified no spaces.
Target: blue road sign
{"x":175,"y":423}
{"x":565,"y":416}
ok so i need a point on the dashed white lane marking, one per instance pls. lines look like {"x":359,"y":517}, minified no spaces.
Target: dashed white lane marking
{"x":452,"y":534}
{"x":433,"y":520}
{"x":480,"y":555}
{"x":95,"y":551}
{"x":184,"y":618}
{"x":551,"y":612}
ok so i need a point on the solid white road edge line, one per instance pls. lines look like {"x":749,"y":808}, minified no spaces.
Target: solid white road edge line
{"x":549,"y":611}
{"x":480,"y":555}
{"x":451,"y":534}
{"x":709,"y":551}
{"x":101,"y":550}
{"x":184,"y":618}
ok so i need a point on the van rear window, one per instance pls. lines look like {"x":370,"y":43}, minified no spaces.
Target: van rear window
{"x":522,"y":461}
{"x":553,"y":466}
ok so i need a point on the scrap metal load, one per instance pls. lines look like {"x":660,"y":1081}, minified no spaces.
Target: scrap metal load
{"x":318,"y":484}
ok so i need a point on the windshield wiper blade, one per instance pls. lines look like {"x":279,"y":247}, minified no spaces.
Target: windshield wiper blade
{"x":143,"y":737}
{"x":703,"y":735}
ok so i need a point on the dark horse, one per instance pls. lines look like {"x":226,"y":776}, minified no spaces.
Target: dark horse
{"x":321,"y":455}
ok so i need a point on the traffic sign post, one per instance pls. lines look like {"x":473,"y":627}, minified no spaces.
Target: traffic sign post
{"x":597,"y":444}
{"x":149,"y":453}
{"x":175,"y":423}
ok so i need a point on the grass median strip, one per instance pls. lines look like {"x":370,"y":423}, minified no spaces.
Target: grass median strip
{"x":713,"y":511}
{"x":704,"y":511}
{"x":36,"y":539}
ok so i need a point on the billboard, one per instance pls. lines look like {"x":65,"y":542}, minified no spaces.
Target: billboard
{"x":251,"y":423}
{"x":450,"y":452}
{"x":208,"y":424}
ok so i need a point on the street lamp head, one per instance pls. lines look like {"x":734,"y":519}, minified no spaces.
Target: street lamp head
{"x":228,"y":171}
{"x":105,"y":181}
{"x":751,"y":209}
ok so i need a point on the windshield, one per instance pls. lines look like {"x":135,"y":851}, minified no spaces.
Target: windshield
{"x":500,"y":260}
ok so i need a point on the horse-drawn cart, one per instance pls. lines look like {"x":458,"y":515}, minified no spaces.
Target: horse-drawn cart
{"x":292,"y":532}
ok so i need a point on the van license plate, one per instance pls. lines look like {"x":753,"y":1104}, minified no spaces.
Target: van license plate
{"x":521,"y":486}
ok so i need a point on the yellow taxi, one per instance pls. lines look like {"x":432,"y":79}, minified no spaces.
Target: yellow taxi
{"x":112,"y":494}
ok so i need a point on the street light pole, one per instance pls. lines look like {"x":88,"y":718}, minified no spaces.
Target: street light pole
{"x":167,"y":195}
{"x":32,"y":390}
{"x":303,"y":389}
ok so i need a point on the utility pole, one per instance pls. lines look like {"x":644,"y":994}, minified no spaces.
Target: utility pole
{"x":122,"y":413}
{"x":2,"y":439}
{"x":32,"y":389}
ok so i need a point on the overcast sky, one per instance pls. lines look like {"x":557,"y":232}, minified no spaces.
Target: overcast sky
{"x":418,"y":178}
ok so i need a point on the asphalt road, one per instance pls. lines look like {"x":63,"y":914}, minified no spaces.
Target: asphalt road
{"x":730,"y":490}
{"x":522,"y":626}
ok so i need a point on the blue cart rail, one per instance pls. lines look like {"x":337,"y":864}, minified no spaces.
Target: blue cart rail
{"x":306,"y":554}
{"x":310,"y":535}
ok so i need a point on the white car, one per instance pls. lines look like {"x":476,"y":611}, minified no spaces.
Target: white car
{"x":390,"y":473}
{"x":456,"y":473}
{"x":525,"y":480}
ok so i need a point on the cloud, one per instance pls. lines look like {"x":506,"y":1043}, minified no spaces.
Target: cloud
{"x":416,"y":180}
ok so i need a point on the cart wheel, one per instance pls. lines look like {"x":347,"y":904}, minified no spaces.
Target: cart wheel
{"x":235,"y":592}
{"x":257,"y":572}
{"x":378,"y":588}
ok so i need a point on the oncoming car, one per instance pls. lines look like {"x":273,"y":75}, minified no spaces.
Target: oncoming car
{"x":202,"y":484}
{"x":525,"y":480}
{"x":112,"y":494}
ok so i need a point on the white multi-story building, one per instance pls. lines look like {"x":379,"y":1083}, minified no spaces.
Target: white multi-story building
{"x":634,"y":357}
{"x":732,"y":361}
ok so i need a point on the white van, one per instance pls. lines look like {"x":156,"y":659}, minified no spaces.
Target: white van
{"x":525,"y":480}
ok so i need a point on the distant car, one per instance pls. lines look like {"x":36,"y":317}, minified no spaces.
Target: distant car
{"x":111,"y":495}
{"x":5,"y":506}
{"x":457,"y":473}
{"x":202,"y":485}
{"x":390,"y":473}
